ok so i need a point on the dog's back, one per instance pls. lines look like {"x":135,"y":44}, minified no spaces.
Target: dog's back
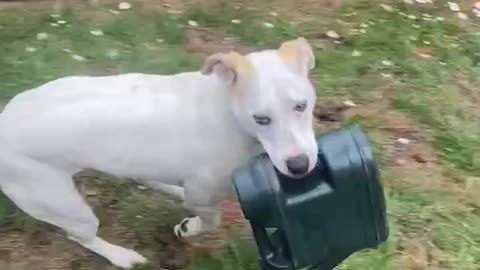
{"x":132,"y":125}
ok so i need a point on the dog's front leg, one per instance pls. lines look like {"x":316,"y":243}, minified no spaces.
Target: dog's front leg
{"x":203,"y":200}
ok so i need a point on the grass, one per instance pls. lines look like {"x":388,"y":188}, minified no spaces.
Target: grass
{"x":431,"y":80}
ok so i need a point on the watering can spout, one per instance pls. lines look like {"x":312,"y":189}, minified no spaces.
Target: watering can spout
{"x":318,"y":221}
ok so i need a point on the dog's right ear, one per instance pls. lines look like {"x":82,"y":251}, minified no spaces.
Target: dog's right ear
{"x":229,"y":67}
{"x":298,"y":55}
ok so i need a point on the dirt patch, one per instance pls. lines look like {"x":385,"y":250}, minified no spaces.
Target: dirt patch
{"x":330,"y":112}
{"x":208,"y":41}
{"x":404,"y":138}
{"x":300,"y":10}
{"x":469,"y":92}
{"x":413,"y":165}
{"x":418,"y":253}
{"x":233,"y":223}
{"x":329,"y":116}
{"x":142,"y":220}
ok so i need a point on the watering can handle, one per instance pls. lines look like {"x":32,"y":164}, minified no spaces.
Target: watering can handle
{"x":269,"y":255}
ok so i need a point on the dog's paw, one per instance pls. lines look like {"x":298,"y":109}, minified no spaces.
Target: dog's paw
{"x":126,"y":258}
{"x":188,"y":227}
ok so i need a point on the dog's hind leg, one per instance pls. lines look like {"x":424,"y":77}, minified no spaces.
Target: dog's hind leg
{"x":49,"y":194}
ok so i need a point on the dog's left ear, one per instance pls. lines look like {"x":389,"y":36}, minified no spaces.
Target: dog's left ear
{"x":298,"y":55}
{"x":229,"y":67}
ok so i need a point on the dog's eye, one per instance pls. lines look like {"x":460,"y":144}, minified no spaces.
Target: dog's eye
{"x":301,"y":107}
{"x":262,"y":120}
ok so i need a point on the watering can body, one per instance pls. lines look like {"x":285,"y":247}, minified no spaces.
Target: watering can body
{"x":317,"y":221}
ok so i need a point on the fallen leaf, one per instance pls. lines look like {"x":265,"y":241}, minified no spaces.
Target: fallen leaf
{"x":453,"y":6}
{"x":97,"y":32}
{"x":333,"y":34}
{"x":78,"y":57}
{"x":192,"y":23}
{"x":387,"y":63}
{"x":477,"y":12}
{"x":42,"y":36}
{"x":124,"y":6}
{"x":175,"y":12}
{"x":401,"y":162}
{"x":112,"y":53}
{"x":424,"y":55}
{"x":142,"y":187}
{"x":90,"y":192}
{"x":387,"y":7}
{"x":356,"y":53}
{"x":403,"y":141}
{"x":462,"y":16}
{"x":472,"y":182}
{"x":268,"y":25}
{"x":349,"y":103}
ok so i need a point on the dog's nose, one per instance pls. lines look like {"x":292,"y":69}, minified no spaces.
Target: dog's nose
{"x":298,"y":165}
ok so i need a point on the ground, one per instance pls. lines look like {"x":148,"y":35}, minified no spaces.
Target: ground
{"x":409,"y":67}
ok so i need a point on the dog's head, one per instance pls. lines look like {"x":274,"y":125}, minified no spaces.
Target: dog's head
{"x":273,"y":101}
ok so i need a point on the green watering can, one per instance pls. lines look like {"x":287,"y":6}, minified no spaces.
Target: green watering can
{"x":318,"y":221}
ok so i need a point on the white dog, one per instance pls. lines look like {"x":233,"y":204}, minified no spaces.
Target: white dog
{"x":182,"y":134}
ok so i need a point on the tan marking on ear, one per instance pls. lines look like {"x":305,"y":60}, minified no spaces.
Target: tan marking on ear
{"x":288,"y":51}
{"x":240,"y":63}
{"x":232,"y":60}
{"x":241,"y":66}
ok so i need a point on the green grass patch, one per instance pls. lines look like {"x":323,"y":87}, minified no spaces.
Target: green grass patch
{"x":136,"y":41}
{"x":142,"y":40}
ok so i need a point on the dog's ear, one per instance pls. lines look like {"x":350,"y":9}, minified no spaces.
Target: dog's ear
{"x":298,"y":55}
{"x":227,"y":66}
